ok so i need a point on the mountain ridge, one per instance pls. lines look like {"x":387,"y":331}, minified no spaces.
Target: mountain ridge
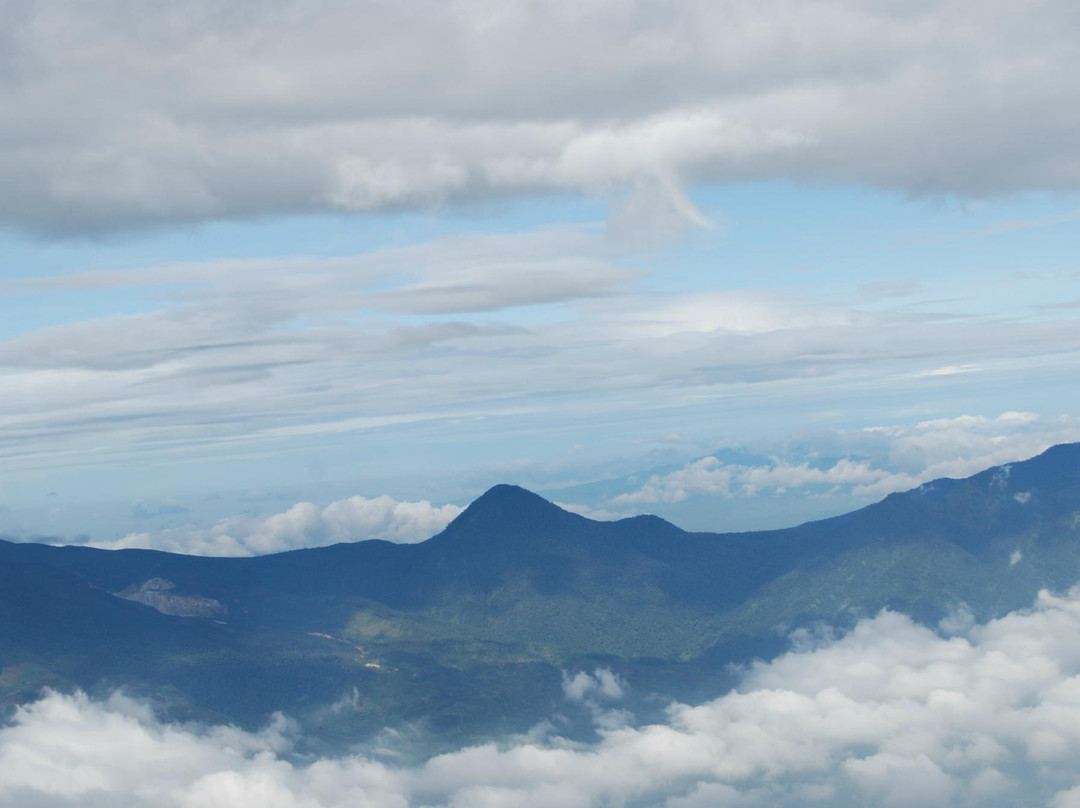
{"x":516,"y":588}
{"x":517,"y":502}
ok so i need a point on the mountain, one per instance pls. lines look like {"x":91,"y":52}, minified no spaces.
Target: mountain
{"x":470,"y":629}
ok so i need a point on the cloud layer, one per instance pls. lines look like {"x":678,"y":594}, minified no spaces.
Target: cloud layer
{"x":892,"y":714}
{"x":179,"y":112}
{"x":872,"y":462}
{"x":443,"y":358}
{"x":242,"y":356}
{"x":305,"y":524}
{"x":833,"y":470}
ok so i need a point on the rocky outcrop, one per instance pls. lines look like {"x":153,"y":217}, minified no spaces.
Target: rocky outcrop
{"x":160,"y":594}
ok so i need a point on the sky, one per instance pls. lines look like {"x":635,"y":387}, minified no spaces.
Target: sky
{"x":279,"y":274}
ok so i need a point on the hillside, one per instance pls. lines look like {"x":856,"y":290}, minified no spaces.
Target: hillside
{"x":471,"y":628}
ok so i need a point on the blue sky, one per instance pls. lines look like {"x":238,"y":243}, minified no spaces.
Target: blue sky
{"x":255,"y":279}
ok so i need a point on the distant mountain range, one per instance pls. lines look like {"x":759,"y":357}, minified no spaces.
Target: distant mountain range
{"x":470,"y":630}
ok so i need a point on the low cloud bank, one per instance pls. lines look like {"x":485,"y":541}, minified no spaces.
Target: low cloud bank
{"x":303,"y":525}
{"x":891,"y":714}
{"x":864,"y":465}
{"x":874,"y":462}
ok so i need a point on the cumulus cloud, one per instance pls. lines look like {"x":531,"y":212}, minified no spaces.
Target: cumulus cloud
{"x":710,"y":476}
{"x":598,"y":693}
{"x":305,"y":524}
{"x":602,"y":684}
{"x":878,"y":461}
{"x":890,"y":714}
{"x":344,"y":106}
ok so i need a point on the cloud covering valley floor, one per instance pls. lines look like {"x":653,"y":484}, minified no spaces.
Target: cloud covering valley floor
{"x":891,"y":714}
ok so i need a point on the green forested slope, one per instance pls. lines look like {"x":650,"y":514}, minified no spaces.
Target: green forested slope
{"x":470,"y":628}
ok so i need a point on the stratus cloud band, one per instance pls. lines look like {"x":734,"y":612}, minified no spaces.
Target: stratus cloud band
{"x":892,"y":714}
{"x":311,"y":336}
{"x":881,"y":460}
{"x":292,"y":107}
{"x":303,"y":525}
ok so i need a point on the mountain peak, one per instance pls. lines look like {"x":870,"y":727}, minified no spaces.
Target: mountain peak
{"x":510,"y":509}
{"x":505,"y":500}
{"x":506,"y":491}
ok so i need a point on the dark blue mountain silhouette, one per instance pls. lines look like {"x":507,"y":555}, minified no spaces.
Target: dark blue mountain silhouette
{"x":514,"y":589}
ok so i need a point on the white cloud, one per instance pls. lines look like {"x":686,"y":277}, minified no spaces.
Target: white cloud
{"x":242,"y":356}
{"x":601,"y":684}
{"x":959,"y":620}
{"x":890,"y":714}
{"x":303,"y":525}
{"x":958,"y":447}
{"x":502,"y":286}
{"x":879,"y":461}
{"x":949,"y":370}
{"x":194,"y":112}
{"x":710,"y":476}
{"x":597,"y":693}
